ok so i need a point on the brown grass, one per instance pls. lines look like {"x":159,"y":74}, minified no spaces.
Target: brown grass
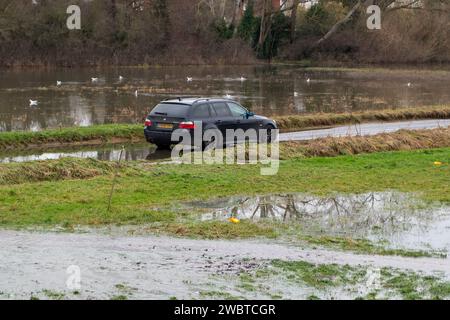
{"x":302,"y":122}
{"x":398,"y":141}
{"x":52,"y":170}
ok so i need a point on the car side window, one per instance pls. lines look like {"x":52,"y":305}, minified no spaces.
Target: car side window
{"x":201,"y":111}
{"x":221,"y":109}
{"x":236,"y":110}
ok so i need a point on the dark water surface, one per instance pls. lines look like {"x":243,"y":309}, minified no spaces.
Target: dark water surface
{"x":268,"y":90}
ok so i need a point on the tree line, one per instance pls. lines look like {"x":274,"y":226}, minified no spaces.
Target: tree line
{"x":131,"y":32}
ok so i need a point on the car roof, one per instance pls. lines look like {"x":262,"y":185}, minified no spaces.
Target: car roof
{"x":194,"y":100}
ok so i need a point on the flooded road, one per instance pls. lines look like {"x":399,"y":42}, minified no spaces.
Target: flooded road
{"x":267,"y":90}
{"x":145,"y":151}
{"x":146,"y":267}
{"x":365,"y":129}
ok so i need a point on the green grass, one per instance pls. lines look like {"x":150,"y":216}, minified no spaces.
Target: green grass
{"x":412,"y":286}
{"x":103,"y":133}
{"x":365,"y":246}
{"x":318,"y":281}
{"x":141,"y":197}
{"x":65,"y":168}
{"x":321,"y":275}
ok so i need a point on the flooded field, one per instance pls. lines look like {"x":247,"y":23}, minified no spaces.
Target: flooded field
{"x":35,"y":266}
{"x":269,"y":90}
{"x":398,"y":220}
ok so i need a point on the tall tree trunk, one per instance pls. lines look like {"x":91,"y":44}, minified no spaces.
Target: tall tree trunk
{"x":265,"y":22}
{"x":294,"y":19}
{"x":340,"y":22}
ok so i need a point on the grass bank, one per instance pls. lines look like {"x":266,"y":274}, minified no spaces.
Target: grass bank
{"x":119,"y":133}
{"x":401,"y":140}
{"x":93,"y":135}
{"x":302,"y":122}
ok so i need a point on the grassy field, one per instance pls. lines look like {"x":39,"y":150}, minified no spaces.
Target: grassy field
{"x":70,"y":193}
{"x":145,"y":192}
{"x":110,"y":133}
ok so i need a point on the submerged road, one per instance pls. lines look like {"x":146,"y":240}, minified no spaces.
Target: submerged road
{"x":365,"y":129}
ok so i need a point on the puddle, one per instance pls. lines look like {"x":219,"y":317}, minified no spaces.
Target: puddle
{"x":399,"y":218}
{"x":133,"y":152}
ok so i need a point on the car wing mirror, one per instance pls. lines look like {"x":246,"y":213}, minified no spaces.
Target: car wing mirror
{"x":249,"y":114}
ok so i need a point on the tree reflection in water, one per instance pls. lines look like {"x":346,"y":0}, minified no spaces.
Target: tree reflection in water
{"x":383,"y":212}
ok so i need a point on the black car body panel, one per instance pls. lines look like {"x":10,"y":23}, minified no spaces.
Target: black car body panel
{"x":214,"y":113}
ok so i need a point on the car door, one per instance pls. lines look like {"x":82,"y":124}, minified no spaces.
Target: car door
{"x":223,"y":119}
{"x":243,"y":121}
{"x":201,"y":113}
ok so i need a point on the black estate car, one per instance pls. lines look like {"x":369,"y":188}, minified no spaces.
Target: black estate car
{"x":214,"y":113}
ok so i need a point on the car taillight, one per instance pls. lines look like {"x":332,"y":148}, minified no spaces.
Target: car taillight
{"x":148,"y":123}
{"x":187,"y":125}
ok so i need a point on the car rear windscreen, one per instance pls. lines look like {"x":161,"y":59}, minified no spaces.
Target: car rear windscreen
{"x":170,"y":110}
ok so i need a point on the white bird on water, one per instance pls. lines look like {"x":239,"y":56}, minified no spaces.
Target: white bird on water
{"x":121,"y":78}
{"x":409,"y":84}
{"x":94,"y":79}
{"x":58,"y":83}
{"x":33,"y":103}
{"x":308,"y":80}
{"x":243,"y":79}
{"x":189,"y":79}
{"x":136,"y":93}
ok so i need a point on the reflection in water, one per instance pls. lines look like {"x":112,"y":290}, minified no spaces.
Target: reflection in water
{"x":398,"y":217}
{"x":269,"y":90}
{"x":133,"y":152}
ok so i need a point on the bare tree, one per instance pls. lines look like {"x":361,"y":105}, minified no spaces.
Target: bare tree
{"x":385,"y":5}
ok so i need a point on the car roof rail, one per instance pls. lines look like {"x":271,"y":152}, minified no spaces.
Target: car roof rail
{"x":201,"y":99}
{"x":180,"y":98}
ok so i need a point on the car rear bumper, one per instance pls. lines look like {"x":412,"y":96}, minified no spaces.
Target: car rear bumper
{"x":158,"y":137}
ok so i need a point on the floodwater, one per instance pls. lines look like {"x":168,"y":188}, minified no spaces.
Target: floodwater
{"x":267,"y":90}
{"x":400,"y":219}
{"x":36,"y":265}
{"x":132,"y":152}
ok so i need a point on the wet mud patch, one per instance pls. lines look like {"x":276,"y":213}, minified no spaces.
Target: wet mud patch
{"x":365,"y":222}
